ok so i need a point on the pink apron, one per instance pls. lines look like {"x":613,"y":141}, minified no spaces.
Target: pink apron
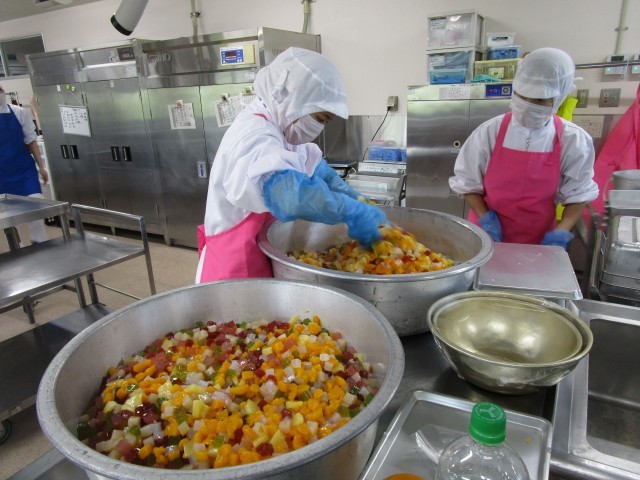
{"x":235,"y":253}
{"x":521,"y":187}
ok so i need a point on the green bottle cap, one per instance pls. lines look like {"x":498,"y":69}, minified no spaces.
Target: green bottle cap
{"x":488,"y":424}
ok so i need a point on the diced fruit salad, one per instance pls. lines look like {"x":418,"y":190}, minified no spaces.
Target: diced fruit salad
{"x":397,"y":252}
{"x":224,"y":394}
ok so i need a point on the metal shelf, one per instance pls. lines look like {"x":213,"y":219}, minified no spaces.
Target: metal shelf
{"x":25,"y":357}
{"x":43,"y":266}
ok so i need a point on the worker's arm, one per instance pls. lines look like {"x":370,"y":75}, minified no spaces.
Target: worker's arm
{"x":476,"y":203}
{"x":35,"y":151}
{"x":570,"y":215}
{"x":488,"y":219}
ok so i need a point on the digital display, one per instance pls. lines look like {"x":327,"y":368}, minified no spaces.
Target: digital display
{"x":231,"y":56}
{"x":126,"y":53}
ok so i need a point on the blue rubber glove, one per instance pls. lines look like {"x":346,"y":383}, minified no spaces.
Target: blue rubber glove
{"x":560,"y":238}
{"x":490,"y":223}
{"x":290,"y":195}
{"x":336,"y":184}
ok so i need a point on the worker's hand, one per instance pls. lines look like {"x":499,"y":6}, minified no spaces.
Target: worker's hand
{"x":336,"y":184}
{"x":363,"y":224}
{"x":44,"y":175}
{"x":290,"y":195}
{"x":560,"y":238}
{"x":490,"y":223}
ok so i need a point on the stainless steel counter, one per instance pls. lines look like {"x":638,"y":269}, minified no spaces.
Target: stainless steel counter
{"x":425,"y":369}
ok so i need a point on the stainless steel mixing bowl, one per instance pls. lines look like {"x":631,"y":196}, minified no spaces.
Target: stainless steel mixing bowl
{"x":74,"y":375}
{"x":403,"y":299}
{"x":508,"y":343}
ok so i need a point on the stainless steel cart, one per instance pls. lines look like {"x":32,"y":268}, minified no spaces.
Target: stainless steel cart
{"x":43,"y":269}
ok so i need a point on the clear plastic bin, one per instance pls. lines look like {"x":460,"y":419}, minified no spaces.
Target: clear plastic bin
{"x":451,"y":30}
{"x":452,"y":60}
{"x":503,"y":53}
{"x":501,"y":69}
{"x":448,"y":75}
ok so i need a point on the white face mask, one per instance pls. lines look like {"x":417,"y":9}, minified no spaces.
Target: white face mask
{"x":529,"y":114}
{"x":3,"y":100}
{"x":305,"y":130}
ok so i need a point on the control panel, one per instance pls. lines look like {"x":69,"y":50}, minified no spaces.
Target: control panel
{"x":493,"y":90}
{"x":621,"y":70}
{"x":237,"y":55}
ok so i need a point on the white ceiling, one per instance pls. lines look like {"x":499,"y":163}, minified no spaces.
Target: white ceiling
{"x":12,"y":9}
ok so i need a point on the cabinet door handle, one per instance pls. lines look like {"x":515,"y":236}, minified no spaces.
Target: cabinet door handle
{"x":126,"y":153}
{"x":115,"y":154}
{"x":65,"y":151}
{"x":74,"y":152}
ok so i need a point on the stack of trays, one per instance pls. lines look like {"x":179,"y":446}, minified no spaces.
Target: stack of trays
{"x":620,"y":276}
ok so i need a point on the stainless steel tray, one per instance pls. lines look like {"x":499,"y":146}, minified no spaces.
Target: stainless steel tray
{"x":427,"y":422}
{"x":621,"y":266}
{"x":623,"y":202}
{"x":540,"y":270}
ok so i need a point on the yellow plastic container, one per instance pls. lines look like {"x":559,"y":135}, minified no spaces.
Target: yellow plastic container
{"x":502,"y":69}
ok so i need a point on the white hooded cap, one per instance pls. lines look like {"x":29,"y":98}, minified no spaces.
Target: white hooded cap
{"x":545,"y":73}
{"x":299,"y":82}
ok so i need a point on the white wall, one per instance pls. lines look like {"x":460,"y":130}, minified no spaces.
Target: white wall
{"x":379,"y":46}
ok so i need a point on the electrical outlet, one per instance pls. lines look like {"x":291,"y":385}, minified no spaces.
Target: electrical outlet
{"x":610,"y":97}
{"x":392,"y":103}
{"x":583,"y":98}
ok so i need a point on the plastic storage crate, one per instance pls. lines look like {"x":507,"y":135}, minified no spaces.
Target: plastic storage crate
{"x":387,"y":154}
{"x":451,"y":66}
{"x":500,"y":39}
{"x":453,"y":30}
{"x":501,"y":69}
{"x":503,"y":53}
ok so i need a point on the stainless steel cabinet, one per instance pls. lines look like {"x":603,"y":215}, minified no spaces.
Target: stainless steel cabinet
{"x":69,"y":156}
{"x":121,"y":148}
{"x":438,"y":123}
{"x":177,"y":152}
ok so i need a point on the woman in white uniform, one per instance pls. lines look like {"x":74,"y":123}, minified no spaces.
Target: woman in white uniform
{"x":515,"y":168}
{"x":266,"y":166}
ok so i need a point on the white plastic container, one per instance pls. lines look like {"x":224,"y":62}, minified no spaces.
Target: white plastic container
{"x":455,"y":29}
{"x":483,"y":454}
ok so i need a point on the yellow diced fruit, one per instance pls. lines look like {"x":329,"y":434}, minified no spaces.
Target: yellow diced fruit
{"x":199,"y":409}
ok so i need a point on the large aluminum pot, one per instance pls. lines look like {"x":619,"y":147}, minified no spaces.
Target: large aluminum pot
{"x":403,"y":299}
{"x":626,"y":179}
{"x":75,"y":373}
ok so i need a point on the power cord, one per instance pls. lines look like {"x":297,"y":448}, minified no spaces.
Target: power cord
{"x":374,"y":135}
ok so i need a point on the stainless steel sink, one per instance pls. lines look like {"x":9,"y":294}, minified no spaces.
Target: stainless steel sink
{"x":597,"y":415}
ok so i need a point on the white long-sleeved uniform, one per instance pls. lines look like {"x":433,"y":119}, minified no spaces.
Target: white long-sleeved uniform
{"x":577,"y":157}
{"x":252,"y":149}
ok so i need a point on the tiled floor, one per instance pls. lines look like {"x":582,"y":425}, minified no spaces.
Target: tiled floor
{"x":173,"y":267}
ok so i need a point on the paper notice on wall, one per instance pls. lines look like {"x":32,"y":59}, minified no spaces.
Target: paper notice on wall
{"x":591,"y":123}
{"x":75,"y":120}
{"x":455,"y":92}
{"x":181,"y":116}
{"x":228,"y":109}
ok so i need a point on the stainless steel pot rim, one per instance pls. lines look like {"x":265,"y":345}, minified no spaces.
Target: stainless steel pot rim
{"x":482,"y":257}
{"x":443,"y":302}
{"x":92,"y":460}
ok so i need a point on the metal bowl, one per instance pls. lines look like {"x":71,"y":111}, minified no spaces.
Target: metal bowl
{"x":402,"y":299}
{"x":508,"y":343}
{"x":75,"y":373}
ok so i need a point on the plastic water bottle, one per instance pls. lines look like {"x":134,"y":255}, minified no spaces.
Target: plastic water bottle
{"x":483,"y":454}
